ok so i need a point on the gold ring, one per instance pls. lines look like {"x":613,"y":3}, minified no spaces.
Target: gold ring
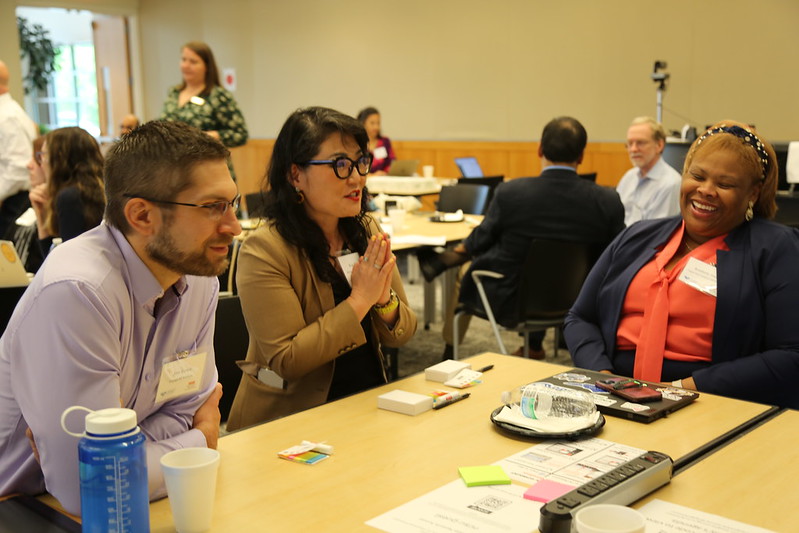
{"x":378,"y":266}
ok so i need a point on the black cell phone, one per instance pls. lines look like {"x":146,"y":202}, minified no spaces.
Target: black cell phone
{"x":23,"y":513}
{"x":630,"y":389}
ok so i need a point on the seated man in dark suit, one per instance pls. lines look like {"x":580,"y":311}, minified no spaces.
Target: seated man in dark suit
{"x":557,"y":205}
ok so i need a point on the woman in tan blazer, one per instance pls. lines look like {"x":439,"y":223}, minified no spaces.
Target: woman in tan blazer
{"x":315,"y":328}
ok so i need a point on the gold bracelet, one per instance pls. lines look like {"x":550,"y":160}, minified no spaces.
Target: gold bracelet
{"x":389,"y":306}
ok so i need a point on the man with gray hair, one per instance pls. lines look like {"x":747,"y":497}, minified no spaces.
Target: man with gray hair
{"x":651,"y":189}
{"x":17,"y":132}
{"x":124,"y":315}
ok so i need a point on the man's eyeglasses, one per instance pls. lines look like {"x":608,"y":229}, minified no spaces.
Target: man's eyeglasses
{"x":215,"y":209}
{"x":342,"y":166}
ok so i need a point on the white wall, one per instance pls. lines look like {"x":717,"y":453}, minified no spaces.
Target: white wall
{"x":472,"y":69}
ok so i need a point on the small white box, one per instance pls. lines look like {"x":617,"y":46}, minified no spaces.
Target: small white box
{"x":407,"y":403}
{"x":445,"y":370}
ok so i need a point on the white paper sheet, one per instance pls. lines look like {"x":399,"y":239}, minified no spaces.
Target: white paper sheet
{"x":567,"y":462}
{"x":456,"y":507}
{"x":665,"y":517}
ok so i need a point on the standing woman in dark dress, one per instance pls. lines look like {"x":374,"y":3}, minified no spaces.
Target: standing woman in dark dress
{"x":71,"y":200}
{"x":201,"y":101}
{"x":316,"y":331}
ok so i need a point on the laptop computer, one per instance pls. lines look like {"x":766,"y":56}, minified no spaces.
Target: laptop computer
{"x":469,"y":167}
{"x":12,"y":273}
{"x":608,"y":404}
{"x":403,"y":167}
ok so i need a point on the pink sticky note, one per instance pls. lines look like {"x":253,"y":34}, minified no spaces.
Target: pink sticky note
{"x":546,"y":490}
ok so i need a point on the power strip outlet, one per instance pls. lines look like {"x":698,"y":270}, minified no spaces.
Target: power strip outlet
{"x":623,"y":485}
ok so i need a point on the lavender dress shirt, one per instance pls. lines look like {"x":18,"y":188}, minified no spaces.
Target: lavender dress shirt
{"x":94,"y":329}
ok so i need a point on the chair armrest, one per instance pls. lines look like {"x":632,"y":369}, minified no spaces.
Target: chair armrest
{"x":477,"y":274}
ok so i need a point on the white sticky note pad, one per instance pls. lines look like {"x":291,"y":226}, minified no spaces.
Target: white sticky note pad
{"x":445,"y":370}
{"x":407,"y":403}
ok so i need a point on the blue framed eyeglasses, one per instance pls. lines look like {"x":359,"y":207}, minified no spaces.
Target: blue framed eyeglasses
{"x":343,"y":166}
{"x":215,"y":209}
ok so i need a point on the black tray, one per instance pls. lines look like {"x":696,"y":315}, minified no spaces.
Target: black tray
{"x":526,"y":432}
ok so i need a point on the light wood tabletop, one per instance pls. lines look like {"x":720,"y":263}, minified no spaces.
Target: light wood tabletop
{"x":383,"y":459}
{"x":749,"y":480}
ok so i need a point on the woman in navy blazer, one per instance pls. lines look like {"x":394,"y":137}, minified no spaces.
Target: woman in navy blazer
{"x":728,"y":187}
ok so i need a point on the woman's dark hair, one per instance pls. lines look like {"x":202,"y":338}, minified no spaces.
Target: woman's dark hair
{"x":75,"y":161}
{"x":297,"y":143}
{"x":367,"y":112}
{"x":211,"y":72}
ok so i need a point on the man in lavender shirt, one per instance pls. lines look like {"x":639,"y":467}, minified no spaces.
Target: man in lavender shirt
{"x":123,"y":315}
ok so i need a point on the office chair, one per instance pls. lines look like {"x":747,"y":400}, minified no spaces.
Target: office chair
{"x":230,"y":345}
{"x":550,"y":280}
{"x":254,"y":202}
{"x":491,"y":181}
{"x":471,"y":199}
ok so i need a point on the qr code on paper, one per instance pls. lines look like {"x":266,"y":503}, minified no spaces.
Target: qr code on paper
{"x":489,"y":504}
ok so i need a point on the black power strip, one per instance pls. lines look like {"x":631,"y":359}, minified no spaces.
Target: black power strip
{"x":623,"y":485}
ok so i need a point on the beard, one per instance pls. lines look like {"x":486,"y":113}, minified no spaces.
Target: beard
{"x":164,"y":250}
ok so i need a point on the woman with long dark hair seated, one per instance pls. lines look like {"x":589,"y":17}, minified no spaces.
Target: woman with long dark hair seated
{"x":316,"y":329}
{"x":71,"y":200}
{"x":706,"y":300}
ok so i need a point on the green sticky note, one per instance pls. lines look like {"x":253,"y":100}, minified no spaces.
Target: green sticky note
{"x":475,"y":476}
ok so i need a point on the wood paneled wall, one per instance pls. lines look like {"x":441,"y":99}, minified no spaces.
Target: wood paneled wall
{"x":511,"y":159}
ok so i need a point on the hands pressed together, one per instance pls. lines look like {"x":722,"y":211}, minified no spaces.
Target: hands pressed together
{"x":371,"y":275}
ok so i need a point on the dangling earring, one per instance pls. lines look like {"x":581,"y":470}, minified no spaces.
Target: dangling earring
{"x":300,"y":195}
{"x":749,"y":212}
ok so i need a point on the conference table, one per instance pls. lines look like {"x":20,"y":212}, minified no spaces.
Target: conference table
{"x":416,"y":231}
{"x":384,"y":459}
{"x":748,"y":480}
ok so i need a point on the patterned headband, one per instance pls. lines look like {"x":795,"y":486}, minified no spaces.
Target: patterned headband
{"x":747,"y":136}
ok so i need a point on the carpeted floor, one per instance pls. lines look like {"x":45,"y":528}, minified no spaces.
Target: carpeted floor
{"x":427,"y":346}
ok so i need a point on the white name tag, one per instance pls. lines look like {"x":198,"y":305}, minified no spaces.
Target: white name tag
{"x":180,"y":377}
{"x":699,"y":275}
{"x":196,"y":100}
{"x":380,"y":152}
{"x":347,"y":262}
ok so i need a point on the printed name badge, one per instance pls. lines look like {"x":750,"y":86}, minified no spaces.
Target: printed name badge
{"x":180,"y":377}
{"x":380,"y":152}
{"x":347,"y":262}
{"x":196,"y":100}
{"x":699,"y":275}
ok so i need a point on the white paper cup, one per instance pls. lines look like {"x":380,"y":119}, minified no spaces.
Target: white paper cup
{"x":397,"y":217}
{"x":190,"y":476}
{"x":428,"y":170}
{"x":608,"y":518}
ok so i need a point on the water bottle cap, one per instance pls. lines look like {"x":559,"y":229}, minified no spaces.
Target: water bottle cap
{"x":110,"y":421}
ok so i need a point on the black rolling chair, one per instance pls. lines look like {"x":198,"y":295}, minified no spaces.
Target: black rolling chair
{"x":551,"y":278}
{"x":471,"y":199}
{"x":491,"y":181}
{"x":255,"y":204}
{"x":230,"y":345}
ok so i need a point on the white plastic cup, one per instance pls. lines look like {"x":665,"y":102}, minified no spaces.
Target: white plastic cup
{"x":397,"y":217}
{"x":190,"y":476}
{"x":609,"y":518}
{"x":428,"y":170}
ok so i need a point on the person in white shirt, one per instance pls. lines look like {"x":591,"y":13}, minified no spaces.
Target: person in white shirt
{"x":17,"y":132}
{"x":651,"y":189}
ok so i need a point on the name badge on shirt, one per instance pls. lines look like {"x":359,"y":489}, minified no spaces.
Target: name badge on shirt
{"x":380,"y":153}
{"x":699,"y":275}
{"x":180,"y":377}
{"x":196,"y":100}
{"x":347,"y":262}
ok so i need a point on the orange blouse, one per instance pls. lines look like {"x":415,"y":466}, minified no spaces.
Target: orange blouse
{"x":690,"y":313}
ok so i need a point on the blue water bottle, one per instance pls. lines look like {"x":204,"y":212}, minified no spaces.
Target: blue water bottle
{"x":113,"y":472}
